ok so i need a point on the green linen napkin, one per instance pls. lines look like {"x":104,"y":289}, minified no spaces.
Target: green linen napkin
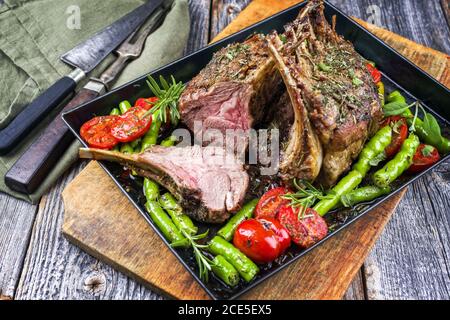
{"x":33,"y":35}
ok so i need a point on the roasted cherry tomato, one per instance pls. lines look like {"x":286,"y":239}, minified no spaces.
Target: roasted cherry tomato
{"x":399,"y":134}
{"x":97,"y":132}
{"x":424,"y":158}
{"x":376,"y":74}
{"x":262,"y":240}
{"x":131,"y":125}
{"x":271,"y":202}
{"x":305,"y":230}
{"x":146,"y":103}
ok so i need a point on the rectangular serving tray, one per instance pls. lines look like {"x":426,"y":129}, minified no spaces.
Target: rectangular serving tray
{"x":398,"y":73}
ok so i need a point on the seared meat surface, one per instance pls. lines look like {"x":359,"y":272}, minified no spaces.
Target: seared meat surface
{"x":231,"y":92}
{"x":209,"y":183}
{"x":331,"y":89}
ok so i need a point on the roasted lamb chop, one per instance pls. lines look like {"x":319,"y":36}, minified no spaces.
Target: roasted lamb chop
{"x":209,"y":183}
{"x":335,"y":101}
{"x":232,"y":91}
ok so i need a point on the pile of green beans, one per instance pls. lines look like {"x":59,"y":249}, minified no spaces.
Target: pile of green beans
{"x":371,"y":150}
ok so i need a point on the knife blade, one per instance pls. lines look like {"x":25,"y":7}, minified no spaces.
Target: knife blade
{"x":84,"y":57}
{"x":39,"y":159}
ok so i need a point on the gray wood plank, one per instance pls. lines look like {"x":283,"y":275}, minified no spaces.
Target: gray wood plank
{"x":200,"y":16}
{"x":16,"y":222}
{"x":412,"y":258}
{"x":223,"y":12}
{"x":56,"y":269}
{"x":356,"y":290}
{"x":418,"y":20}
{"x":446,"y":8}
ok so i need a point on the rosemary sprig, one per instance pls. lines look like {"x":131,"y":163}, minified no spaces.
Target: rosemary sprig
{"x":305,"y":196}
{"x":168,"y":96}
{"x":203,"y":262}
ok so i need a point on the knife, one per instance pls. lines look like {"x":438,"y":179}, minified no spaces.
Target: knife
{"x":39,"y":159}
{"x":84,"y":57}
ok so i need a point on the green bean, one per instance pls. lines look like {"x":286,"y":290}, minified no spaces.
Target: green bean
{"x":402,"y":161}
{"x":151,"y":190}
{"x":363,"y":194}
{"x":181,"y":220}
{"x":151,"y":137}
{"x":372,"y":149}
{"x":135,"y":143}
{"x":115,"y":112}
{"x":396,"y":96}
{"x":345,"y":185}
{"x":124,"y":106}
{"x":165,"y":225}
{"x":126,"y":148}
{"x":225,"y":271}
{"x":227,"y":231}
{"x":246,"y":267}
{"x":168,"y":142}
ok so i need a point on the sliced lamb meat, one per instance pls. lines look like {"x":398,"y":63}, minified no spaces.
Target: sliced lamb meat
{"x":328,"y":81}
{"x":209,"y":183}
{"x":231,"y":92}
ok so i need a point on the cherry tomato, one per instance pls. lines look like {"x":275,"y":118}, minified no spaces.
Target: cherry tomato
{"x":424,"y":158}
{"x":97,"y":132}
{"x":399,"y":134}
{"x":375,"y":73}
{"x":304,"y":231}
{"x":131,"y":125}
{"x":146,"y":103}
{"x":271,"y":202}
{"x":262,"y":240}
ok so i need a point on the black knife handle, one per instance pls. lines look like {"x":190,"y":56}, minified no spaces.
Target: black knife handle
{"x":29,"y":117}
{"x":39,"y":159}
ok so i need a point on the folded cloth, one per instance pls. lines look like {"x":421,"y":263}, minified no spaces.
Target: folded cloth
{"x":34,"y":34}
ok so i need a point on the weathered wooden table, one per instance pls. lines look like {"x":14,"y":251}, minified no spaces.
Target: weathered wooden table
{"x":410,"y":261}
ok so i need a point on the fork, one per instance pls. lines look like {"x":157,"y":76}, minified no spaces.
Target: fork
{"x":132,"y":47}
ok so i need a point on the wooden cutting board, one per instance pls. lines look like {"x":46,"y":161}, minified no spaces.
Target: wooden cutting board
{"x":100,"y":219}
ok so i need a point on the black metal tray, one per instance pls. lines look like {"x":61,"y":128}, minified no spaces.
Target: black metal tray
{"x":398,"y":73}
